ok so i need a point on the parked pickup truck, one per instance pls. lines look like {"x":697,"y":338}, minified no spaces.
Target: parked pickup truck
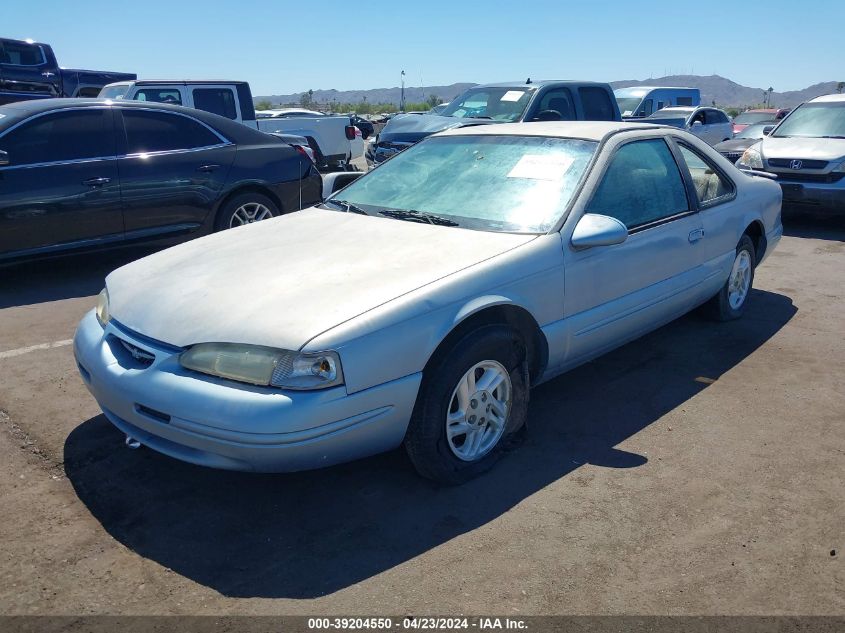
{"x":28,"y":70}
{"x":500,"y":103}
{"x":329,"y":137}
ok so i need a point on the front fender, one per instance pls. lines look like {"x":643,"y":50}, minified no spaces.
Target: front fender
{"x":398,"y":338}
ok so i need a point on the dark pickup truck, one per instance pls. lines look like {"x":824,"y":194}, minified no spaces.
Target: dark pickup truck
{"x":29,"y":70}
{"x":501,"y":103}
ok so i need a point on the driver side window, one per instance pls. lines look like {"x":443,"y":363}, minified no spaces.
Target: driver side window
{"x":558,"y":100}
{"x":642,"y":185}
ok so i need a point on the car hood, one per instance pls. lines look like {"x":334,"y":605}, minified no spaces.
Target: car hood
{"x":283,"y":281}
{"x":425,"y":124}
{"x":735,"y":145}
{"x":830,"y":149}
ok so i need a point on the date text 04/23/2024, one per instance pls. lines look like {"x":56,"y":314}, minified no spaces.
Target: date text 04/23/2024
{"x":423,"y":623}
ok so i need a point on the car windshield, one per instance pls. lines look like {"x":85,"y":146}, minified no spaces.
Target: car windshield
{"x":670,"y":114}
{"x":499,"y":104}
{"x":755,"y":131}
{"x":512,"y":184}
{"x":814,"y":120}
{"x":627,"y":105}
{"x":747,"y":118}
{"x":114,"y":92}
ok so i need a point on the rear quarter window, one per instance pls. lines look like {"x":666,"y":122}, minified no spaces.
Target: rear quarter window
{"x":148,"y":131}
{"x":217,"y":101}
{"x":596,"y":104}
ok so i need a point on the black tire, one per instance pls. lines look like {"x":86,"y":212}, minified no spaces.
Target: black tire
{"x":227,"y":211}
{"x":719,"y":307}
{"x":426,"y":442}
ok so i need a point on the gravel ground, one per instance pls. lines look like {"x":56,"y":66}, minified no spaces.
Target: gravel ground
{"x":699,"y":470}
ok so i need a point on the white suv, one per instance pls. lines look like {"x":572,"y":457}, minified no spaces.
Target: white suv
{"x":807,"y":153}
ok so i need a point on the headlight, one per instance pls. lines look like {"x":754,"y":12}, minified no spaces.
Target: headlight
{"x":265,"y":366}
{"x":750,"y":159}
{"x":103,"y":315}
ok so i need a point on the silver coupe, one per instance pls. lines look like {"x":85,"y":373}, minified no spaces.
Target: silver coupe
{"x":419,"y":304}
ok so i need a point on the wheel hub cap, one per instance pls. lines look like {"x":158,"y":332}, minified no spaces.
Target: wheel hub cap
{"x":739,"y":281}
{"x":478,"y":410}
{"x":249,"y":213}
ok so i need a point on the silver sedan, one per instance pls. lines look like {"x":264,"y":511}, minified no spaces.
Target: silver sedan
{"x":420,"y":304}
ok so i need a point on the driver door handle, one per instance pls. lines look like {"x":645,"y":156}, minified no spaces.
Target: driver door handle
{"x":96,"y":182}
{"x":695,"y":235}
{"x":208,"y":168}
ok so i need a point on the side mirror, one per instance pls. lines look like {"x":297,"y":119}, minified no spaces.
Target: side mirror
{"x":598,"y":230}
{"x":4,"y":158}
{"x":768,"y":130}
{"x":695,"y":124}
{"x":336,"y":181}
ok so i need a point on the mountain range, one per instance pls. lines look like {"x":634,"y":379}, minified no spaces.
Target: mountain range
{"x":722,"y":91}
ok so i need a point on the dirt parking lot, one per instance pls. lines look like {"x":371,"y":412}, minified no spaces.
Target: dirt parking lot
{"x":699,"y":470}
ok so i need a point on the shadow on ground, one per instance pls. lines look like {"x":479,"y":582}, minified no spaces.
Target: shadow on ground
{"x":309,"y":534}
{"x":64,"y":277}
{"x":799,"y":222}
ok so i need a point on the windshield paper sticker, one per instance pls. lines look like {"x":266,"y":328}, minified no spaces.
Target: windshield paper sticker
{"x":512,"y":95}
{"x":541,"y":167}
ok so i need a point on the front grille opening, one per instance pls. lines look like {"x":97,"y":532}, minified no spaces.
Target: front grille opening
{"x":128,"y":355}
{"x":152,"y":413}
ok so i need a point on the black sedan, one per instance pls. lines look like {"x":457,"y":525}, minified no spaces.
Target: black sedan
{"x":744,"y":139}
{"x":79,"y":173}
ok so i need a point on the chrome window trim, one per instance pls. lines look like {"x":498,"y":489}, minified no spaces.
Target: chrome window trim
{"x":164,"y":152}
{"x":73,"y":161}
{"x":224,"y":142}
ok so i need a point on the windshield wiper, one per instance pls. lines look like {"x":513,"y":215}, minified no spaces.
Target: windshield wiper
{"x":346,"y":206}
{"x":417,"y":216}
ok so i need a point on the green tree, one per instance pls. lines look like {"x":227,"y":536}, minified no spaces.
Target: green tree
{"x":433,"y":100}
{"x":307,"y":99}
{"x":264,"y":104}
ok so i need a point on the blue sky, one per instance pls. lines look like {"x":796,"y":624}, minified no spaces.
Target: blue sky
{"x":284,"y":47}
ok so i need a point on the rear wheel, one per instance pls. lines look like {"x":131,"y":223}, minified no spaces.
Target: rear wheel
{"x":470,"y":406}
{"x":245,"y":208}
{"x":730,"y":302}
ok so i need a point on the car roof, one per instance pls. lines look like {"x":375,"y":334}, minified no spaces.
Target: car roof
{"x":655,"y":88}
{"x":237,"y":132}
{"x":834,"y":98}
{"x":586,"y":130}
{"x":762,"y":110}
{"x":537,"y":84}
{"x":181,"y":82}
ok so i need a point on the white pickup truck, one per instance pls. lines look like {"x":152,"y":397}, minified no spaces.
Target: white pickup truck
{"x":330,"y":137}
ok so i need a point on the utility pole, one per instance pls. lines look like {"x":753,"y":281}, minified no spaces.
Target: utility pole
{"x":402,"y":93}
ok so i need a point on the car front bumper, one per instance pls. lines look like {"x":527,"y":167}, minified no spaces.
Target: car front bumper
{"x":824,"y":196}
{"x":220,"y":424}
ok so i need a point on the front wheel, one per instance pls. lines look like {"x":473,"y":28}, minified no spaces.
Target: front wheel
{"x":730,"y":302}
{"x":245,"y":208}
{"x":469,"y":406}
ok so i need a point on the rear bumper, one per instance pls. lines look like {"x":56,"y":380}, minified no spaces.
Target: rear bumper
{"x":219,"y":424}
